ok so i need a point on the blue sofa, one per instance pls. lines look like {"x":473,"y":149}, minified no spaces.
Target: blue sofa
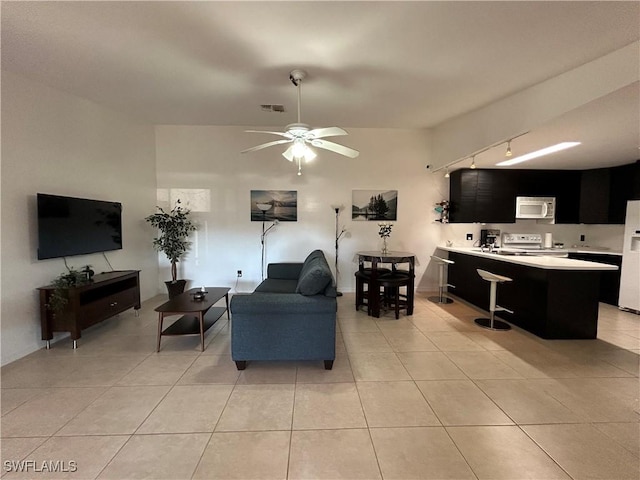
{"x":290,"y":316}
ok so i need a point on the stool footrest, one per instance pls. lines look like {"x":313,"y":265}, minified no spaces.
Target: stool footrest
{"x":502,"y":309}
{"x":449,"y":285}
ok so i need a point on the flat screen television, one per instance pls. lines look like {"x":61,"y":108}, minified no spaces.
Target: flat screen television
{"x":70,"y":226}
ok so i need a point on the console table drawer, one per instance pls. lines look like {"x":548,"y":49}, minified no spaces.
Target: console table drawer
{"x":107,"y":307}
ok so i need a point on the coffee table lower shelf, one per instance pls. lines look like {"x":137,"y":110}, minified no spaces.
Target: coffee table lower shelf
{"x":190,"y":325}
{"x":197,"y":316}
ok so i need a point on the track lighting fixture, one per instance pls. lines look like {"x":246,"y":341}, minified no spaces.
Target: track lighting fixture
{"x":472,"y":155}
{"x":508,"y":153}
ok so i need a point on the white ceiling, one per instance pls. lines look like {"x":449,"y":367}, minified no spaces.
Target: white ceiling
{"x":370,"y":64}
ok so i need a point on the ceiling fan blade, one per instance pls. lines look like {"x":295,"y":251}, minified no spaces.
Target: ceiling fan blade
{"x":282,"y":134}
{"x":326,"y":132}
{"x":265,"y":145}
{"x":334,"y":147}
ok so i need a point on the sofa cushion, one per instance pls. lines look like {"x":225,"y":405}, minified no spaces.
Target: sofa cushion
{"x":276,"y":285}
{"x":284,"y":271}
{"x":315,"y":274}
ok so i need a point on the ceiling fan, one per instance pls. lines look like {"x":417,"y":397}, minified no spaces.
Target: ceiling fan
{"x":300,"y":135}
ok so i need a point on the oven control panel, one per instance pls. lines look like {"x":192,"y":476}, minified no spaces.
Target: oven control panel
{"x":522,"y":239}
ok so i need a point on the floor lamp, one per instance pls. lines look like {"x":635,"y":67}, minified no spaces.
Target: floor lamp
{"x":263,"y":207}
{"x":339,"y":234}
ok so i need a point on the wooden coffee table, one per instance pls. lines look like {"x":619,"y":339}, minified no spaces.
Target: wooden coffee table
{"x":197,"y":315}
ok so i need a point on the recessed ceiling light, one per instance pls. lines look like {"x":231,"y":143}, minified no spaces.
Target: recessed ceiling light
{"x":538,"y":153}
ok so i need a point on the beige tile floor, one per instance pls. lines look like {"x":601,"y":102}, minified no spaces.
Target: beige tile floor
{"x":430,"y":396}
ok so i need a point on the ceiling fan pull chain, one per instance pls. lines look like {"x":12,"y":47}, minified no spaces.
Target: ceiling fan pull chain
{"x":299,"y":166}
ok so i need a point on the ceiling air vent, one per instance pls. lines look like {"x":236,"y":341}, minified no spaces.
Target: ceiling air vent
{"x":272,"y":108}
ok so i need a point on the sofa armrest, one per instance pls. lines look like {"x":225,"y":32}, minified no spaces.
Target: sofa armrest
{"x":284,"y":271}
{"x":281,"y":303}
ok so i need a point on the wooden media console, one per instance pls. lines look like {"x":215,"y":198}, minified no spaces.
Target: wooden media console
{"x":105,"y":296}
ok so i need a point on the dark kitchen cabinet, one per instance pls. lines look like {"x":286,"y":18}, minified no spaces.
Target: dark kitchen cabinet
{"x":635,"y":190}
{"x":486,"y":196}
{"x":623,"y":186}
{"x":463,"y":185}
{"x":566,"y":189}
{"x":597,"y":196}
{"x":594,"y":195}
{"x":559,"y":304}
{"x":489,"y":196}
{"x":609,"y":280}
{"x":604,"y":193}
{"x":563,"y":185}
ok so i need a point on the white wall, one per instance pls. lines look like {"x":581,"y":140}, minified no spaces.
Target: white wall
{"x":57,"y":143}
{"x":207,"y":161}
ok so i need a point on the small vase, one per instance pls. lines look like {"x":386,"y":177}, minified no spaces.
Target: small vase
{"x":385,"y":250}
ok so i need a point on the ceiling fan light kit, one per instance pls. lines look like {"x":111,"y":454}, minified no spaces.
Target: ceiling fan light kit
{"x":302,"y":137}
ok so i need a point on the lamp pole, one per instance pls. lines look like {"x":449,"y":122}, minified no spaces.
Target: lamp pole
{"x":264,"y":207}
{"x":339,"y":234}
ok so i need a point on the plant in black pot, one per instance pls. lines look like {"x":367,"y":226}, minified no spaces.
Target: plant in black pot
{"x":175,"y":227}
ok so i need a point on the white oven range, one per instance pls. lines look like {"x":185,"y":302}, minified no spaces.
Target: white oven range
{"x":529,"y":244}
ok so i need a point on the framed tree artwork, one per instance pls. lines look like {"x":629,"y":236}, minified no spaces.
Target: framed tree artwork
{"x":374,"y":205}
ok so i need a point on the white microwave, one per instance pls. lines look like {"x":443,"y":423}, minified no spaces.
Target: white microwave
{"x":539,"y":208}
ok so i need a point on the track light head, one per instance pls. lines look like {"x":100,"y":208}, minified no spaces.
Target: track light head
{"x":446,"y":174}
{"x":473,"y":162}
{"x":508,"y":153}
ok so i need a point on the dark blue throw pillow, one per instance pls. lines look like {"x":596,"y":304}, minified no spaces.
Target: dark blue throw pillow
{"x":315,"y":274}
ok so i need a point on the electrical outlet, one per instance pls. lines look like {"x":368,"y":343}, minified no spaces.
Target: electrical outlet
{"x":239,"y":273}
{"x":582,"y":237}
{"x":469,"y":236}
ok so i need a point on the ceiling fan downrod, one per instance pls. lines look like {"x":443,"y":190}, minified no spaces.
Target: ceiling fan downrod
{"x":296,"y":76}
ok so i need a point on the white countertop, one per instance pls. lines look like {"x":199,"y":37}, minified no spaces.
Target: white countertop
{"x":594,"y":250}
{"x":541,"y":261}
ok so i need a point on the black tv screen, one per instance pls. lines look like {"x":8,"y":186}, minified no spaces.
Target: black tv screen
{"x":76,"y":226}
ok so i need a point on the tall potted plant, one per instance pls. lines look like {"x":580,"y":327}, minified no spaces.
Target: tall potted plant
{"x":175,"y":227}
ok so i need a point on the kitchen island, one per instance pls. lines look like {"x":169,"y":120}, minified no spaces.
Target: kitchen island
{"x":552,"y":297}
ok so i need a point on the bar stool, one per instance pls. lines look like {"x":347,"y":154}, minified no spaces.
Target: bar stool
{"x":392,"y":282}
{"x":442,"y":263}
{"x":491,"y":323}
{"x":363,"y":277}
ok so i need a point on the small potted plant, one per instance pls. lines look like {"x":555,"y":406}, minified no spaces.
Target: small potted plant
{"x":175,"y":227}
{"x":58,"y":299}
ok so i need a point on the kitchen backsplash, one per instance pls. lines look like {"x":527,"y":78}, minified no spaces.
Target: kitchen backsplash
{"x":606,"y":236}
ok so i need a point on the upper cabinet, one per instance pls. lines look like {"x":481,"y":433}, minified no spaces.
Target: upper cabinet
{"x":582,"y":196}
{"x":594,"y":195}
{"x":604,"y":193}
{"x":486,"y":196}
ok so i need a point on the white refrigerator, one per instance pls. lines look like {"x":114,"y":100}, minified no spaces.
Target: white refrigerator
{"x":630,"y":275}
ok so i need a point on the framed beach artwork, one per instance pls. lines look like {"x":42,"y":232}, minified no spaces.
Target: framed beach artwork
{"x":270,"y":205}
{"x":374,"y":205}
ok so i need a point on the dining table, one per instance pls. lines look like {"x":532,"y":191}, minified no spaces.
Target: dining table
{"x":394,"y":258}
